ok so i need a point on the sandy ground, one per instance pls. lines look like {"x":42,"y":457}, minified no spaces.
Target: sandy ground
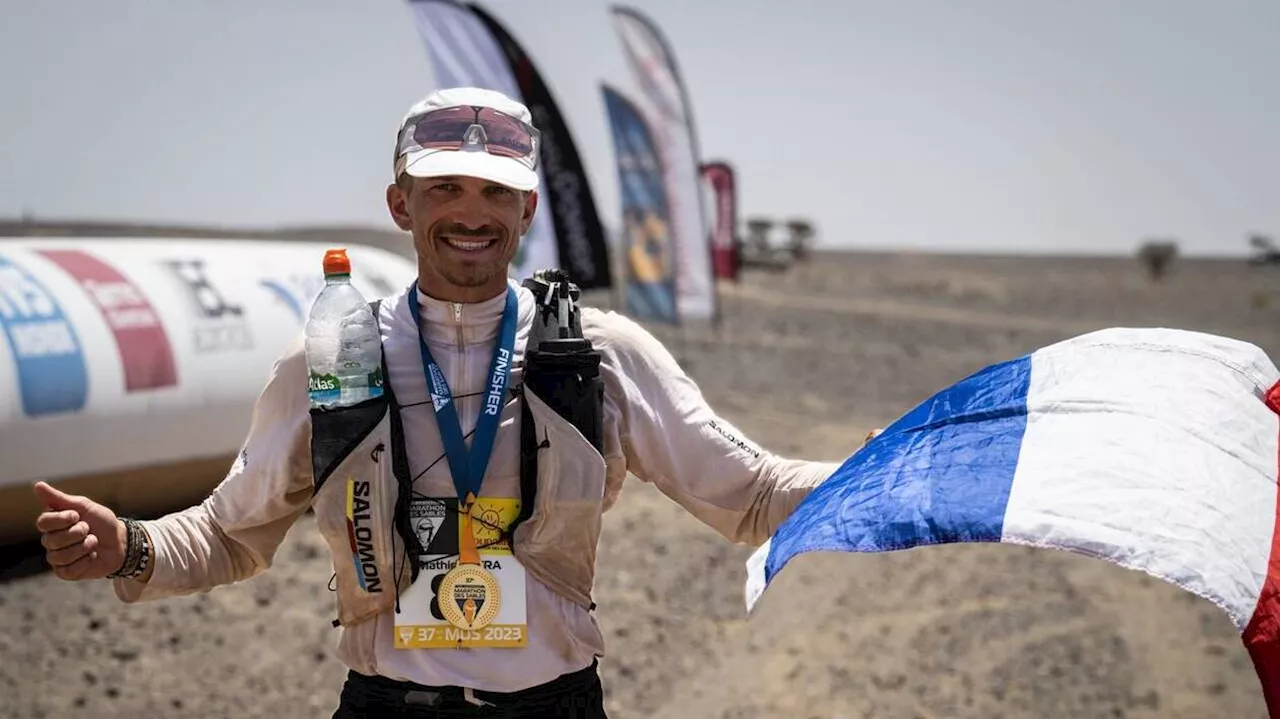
{"x":805,"y":363}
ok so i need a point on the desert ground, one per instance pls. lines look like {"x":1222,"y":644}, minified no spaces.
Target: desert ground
{"x":805,"y":362}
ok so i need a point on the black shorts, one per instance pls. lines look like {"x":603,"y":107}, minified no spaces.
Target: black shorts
{"x":578,"y":695}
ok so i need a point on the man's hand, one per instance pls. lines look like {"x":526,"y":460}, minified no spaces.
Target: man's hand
{"x":872,"y":435}
{"x":82,"y":539}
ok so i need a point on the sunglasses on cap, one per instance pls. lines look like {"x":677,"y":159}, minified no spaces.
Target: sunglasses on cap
{"x":471,"y":127}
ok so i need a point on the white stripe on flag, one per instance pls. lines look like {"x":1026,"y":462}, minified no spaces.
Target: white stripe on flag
{"x":1156,"y":452}
{"x":755,"y":574}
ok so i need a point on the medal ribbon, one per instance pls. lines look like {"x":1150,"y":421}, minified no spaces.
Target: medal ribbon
{"x":468,"y":468}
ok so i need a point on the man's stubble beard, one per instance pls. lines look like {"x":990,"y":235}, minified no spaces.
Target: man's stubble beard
{"x":475,"y":276}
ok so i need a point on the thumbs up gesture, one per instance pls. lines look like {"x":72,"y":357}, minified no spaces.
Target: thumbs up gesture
{"x":82,"y":539}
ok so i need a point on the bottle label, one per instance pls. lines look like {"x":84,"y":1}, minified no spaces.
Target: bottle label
{"x":374,"y":389}
{"x":324,"y":388}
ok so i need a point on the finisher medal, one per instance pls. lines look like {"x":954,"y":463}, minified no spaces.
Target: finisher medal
{"x":469,"y":597}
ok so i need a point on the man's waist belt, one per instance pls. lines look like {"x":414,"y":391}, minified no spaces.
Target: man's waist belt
{"x":385,"y":691}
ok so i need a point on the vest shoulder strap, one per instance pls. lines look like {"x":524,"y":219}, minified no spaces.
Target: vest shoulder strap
{"x":399,"y":467}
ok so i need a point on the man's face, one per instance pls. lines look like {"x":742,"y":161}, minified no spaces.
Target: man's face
{"x":465,"y":230}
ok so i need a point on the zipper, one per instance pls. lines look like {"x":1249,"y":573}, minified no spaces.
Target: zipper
{"x":457,"y":319}
{"x":462,"y":359}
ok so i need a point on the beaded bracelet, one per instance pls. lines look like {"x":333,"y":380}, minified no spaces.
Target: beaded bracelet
{"x":137,"y":555}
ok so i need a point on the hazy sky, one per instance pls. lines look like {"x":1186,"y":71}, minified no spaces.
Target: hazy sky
{"x":1016,"y":125}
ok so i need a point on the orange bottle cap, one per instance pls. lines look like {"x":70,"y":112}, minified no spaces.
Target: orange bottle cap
{"x":336,"y":262}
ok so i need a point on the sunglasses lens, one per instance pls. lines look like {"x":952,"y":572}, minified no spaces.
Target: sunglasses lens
{"x":451,"y":129}
{"x":443,"y":128}
{"x":507,"y":135}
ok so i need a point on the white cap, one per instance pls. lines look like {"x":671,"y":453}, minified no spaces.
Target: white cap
{"x":507,"y":171}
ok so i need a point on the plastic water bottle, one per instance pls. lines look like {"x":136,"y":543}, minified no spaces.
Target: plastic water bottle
{"x":343,"y":344}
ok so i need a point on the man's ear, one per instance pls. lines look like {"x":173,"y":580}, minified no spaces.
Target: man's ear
{"x":397,"y":205}
{"x":530,"y":208}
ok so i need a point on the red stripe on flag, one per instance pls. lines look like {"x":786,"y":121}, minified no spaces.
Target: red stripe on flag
{"x":1262,"y":636}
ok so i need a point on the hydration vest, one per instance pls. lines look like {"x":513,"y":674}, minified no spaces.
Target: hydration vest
{"x":560,"y":365}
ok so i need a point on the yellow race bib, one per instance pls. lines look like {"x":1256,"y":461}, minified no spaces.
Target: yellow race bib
{"x":480,"y":606}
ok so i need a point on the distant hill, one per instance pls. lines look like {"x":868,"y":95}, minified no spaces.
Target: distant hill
{"x":397,"y":242}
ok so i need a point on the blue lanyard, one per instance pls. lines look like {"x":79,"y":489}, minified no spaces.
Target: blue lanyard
{"x":468,"y":468}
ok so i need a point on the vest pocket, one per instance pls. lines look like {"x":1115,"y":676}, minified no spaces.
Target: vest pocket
{"x":349,"y":442}
{"x":353,"y":506}
{"x":558,"y":542}
{"x":336,"y":432}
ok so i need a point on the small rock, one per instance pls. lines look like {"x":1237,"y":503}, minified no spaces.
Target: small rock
{"x":1150,"y":699}
{"x":125,"y":654}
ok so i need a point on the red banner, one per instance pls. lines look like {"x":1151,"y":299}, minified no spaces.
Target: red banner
{"x":140,"y":338}
{"x":724,"y":243}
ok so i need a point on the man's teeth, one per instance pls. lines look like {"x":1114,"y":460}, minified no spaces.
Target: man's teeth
{"x":468,"y":245}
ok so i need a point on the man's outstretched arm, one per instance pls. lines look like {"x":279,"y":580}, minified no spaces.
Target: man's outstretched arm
{"x":230,"y":536}
{"x":672,"y":438}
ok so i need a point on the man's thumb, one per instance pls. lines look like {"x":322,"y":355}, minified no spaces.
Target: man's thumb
{"x":56,"y":499}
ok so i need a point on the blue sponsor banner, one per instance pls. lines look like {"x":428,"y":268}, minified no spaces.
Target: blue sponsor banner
{"x":649,"y":278}
{"x":51,"y":368}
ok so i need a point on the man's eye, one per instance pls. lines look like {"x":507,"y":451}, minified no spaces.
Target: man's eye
{"x":498,"y":190}
{"x":445,"y":186}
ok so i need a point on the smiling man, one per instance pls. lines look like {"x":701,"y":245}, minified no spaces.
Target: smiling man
{"x":488,"y":620}
{"x":467,"y":205}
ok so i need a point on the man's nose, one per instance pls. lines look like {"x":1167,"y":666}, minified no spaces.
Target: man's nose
{"x":471,"y":219}
{"x":473,"y":222}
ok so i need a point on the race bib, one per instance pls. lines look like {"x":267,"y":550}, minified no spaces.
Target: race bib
{"x":477,"y":606}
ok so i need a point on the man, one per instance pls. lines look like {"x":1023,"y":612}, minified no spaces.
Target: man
{"x":465,"y":188}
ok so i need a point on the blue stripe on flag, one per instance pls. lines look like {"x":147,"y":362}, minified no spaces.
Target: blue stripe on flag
{"x":942,"y":473}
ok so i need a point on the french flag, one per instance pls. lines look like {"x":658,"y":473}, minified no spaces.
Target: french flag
{"x":1155,"y":449}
